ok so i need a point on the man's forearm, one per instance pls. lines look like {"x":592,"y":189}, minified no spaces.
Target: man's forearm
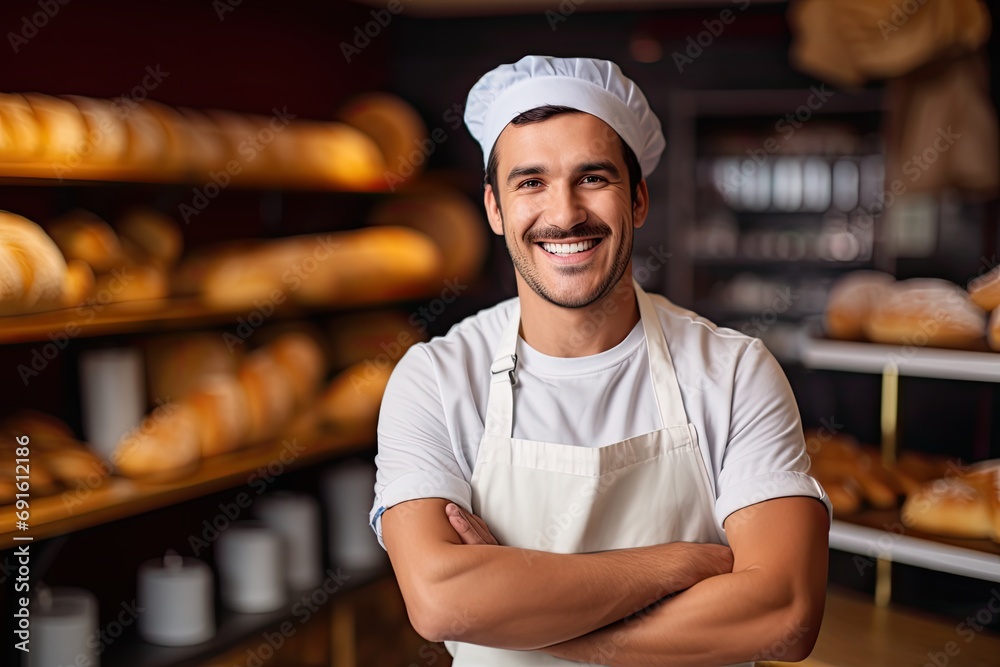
{"x":513,"y":598}
{"x":720,"y":621}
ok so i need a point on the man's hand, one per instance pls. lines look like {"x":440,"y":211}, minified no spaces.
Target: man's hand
{"x":469,"y":527}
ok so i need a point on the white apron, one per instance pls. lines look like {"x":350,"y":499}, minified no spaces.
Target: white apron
{"x":649,"y":489}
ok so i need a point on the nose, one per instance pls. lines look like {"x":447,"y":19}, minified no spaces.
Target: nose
{"x":564,"y":208}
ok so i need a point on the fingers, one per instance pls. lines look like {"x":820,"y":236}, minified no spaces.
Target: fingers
{"x":470,"y":528}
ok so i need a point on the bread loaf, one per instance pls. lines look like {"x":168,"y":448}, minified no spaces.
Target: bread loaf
{"x":222,"y":413}
{"x":851,"y":300}
{"x":270,"y":396}
{"x":351,"y":402}
{"x":927,"y":311}
{"x":147,"y":144}
{"x":150,"y":236}
{"x":32,"y":270}
{"x":450,"y":220}
{"x":176,"y":365}
{"x":20,"y":134}
{"x":950,"y":506}
{"x":107,"y":135}
{"x":371,"y":266}
{"x":302,"y":361}
{"x":334,"y":155}
{"x":63,"y":129}
{"x":164,"y":447}
{"x":393,"y":124}
{"x":984,"y":290}
{"x":84,"y":236}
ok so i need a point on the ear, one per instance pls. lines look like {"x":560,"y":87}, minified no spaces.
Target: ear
{"x":492,"y":211}
{"x":640,"y":209}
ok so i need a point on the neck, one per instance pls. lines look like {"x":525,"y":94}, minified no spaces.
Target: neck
{"x":578,"y":332}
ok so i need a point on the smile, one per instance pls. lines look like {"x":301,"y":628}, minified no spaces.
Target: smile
{"x":569,"y":248}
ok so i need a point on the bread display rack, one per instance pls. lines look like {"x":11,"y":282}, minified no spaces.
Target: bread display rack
{"x":866,"y":535}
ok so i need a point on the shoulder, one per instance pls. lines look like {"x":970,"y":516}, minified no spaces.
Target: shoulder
{"x":700,"y":338}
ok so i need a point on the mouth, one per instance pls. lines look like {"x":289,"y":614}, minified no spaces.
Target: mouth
{"x":569,"y":248}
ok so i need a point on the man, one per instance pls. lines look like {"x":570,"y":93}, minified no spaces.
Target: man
{"x":560,"y":474}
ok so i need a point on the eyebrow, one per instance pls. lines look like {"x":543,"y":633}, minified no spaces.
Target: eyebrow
{"x":537,"y":169}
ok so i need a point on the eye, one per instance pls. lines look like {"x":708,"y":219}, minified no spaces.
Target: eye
{"x":530,"y":183}
{"x":591,"y":178}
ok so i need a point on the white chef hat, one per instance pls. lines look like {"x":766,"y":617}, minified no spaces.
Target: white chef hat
{"x":594,"y":86}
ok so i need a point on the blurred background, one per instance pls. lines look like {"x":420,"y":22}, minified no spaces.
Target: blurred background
{"x":222,"y":222}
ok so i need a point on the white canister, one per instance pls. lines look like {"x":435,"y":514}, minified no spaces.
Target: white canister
{"x":296,"y":519}
{"x":250,"y":558}
{"x":349,"y":491}
{"x":177,"y":597}
{"x":63,"y":628}
{"x":113,"y":392}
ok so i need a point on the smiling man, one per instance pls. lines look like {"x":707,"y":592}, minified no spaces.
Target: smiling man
{"x":588,"y":473}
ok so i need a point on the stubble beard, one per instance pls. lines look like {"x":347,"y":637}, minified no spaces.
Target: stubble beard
{"x":529,"y":274}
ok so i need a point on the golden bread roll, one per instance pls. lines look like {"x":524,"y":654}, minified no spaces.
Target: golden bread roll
{"x":334,"y":155}
{"x":164,"y":447}
{"x":212,"y":149}
{"x":147,"y":144}
{"x":993,"y":333}
{"x":71,"y":464}
{"x":270,"y":397}
{"x":84,"y":236}
{"x":243,"y":143}
{"x":450,"y":220}
{"x":393,"y":124}
{"x":850,"y":302}
{"x":177,"y":364}
{"x":985,"y":476}
{"x":133,"y":283}
{"x":79,"y":285}
{"x":984,"y":290}
{"x":351,"y":402}
{"x":107,"y":135}
{"x":235,"y":280}
{"x":149,"y":235}
{"x":20,"y":134}
{"x":370,"y":266}
{"x":63,"y":129}
{"x":356,"y":337}
{"x":950,"y":506}
{"x":926,"y":311}
{"x":32,"y":270}
{"x":181,"y":147}
{"x":222,"y":413}
{"x":845,"y":497}
{"x":303,"y":363}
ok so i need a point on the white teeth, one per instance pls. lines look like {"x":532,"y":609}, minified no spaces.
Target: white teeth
{"x":569,"y":248}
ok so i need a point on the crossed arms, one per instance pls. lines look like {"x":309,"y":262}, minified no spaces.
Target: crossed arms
{"x":763,"y":598}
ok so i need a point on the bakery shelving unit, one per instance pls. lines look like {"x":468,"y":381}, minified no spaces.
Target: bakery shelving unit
{"x":868,"y":534}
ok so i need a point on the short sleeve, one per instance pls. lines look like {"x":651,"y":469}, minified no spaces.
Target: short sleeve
{"x":416,"y":458}
{"x":765,"y":455}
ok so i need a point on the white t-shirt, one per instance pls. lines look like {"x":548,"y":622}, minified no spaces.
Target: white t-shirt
{"x":734,"y":392}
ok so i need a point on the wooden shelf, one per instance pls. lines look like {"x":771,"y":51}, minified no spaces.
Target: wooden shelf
{"x":45,"y":175}
{"x":881,"y":534}
{"x":838,"y":355}
{"x":118,"y":497}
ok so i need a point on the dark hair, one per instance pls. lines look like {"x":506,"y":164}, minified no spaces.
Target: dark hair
{"x":537,"y":115}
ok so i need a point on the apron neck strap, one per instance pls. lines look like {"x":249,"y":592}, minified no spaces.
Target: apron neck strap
{"x":500,"y":404}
